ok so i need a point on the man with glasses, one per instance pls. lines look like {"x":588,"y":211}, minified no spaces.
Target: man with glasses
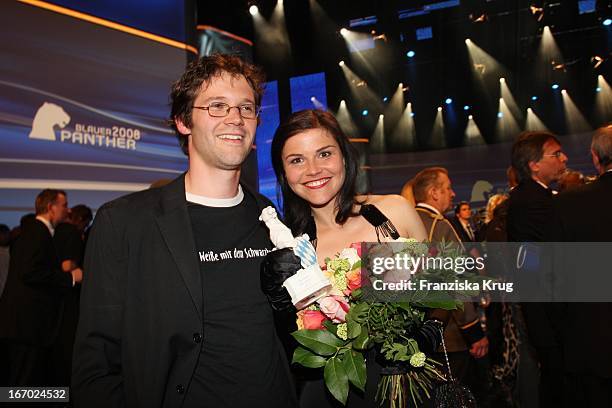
{"x":539,"y":161}
{"x":172,"y":311}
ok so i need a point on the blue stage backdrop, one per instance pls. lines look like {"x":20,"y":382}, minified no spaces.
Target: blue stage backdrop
{"x":84,"y":98}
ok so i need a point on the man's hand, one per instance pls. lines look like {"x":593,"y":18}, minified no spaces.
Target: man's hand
{"x":77,"y":275}
{"x":480,"y":348}
{"x":276,"y":268}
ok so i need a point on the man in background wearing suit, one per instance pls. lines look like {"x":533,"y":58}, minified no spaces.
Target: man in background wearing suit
{"x":463,"y":335}
{"x":587,"y":325}
{"x":462,"y":222}
{"x":539,"y":161}
{"x":31,"y":307}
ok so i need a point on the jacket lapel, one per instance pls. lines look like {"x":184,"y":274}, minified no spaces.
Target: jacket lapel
{"x":175,"y":226}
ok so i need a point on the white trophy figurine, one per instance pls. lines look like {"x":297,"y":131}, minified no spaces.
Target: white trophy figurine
{"x":309,"y":284}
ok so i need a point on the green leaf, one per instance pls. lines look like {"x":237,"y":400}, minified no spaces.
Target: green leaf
{"x":331,"y":327}
{"x":361,"y":342}
{"x":355,"y":367}
{"x":356,"y":294}
{"x":321,"y":342}
{"x":353,"y":329}
{"x":356,"y":265}
{"x":307,"y":358}
{"x":336,"y":379}
{"x":358,"y":312}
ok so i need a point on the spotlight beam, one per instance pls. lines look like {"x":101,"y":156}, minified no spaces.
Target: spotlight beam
{"x":533,"y":122}
{"x":507,"y":127}
{"x":347,"y":124}
{"x":437,"y":139}
{"x":603,"y":100}
{"x":360,"y":92}
{"x":574,"y":119}
{"x":377,"y":140}
{"x":404,"y":134}
{"x":472,"y":133}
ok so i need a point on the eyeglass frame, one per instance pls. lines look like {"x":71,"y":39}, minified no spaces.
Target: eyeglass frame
{"x":556,"y":154}
{"x":229,"y":108}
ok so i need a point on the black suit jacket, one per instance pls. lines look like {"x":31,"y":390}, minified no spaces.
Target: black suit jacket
{"x":584,"y":215}
{"x":530,"y":212}
{"x":140,"y":328}
{"x":31,"y":306}
{"x":463,"y":235}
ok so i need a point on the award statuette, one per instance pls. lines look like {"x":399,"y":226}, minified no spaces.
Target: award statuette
{"x":309,"y":284}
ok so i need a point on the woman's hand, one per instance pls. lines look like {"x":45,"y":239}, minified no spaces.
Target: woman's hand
{"x":276,"y":268}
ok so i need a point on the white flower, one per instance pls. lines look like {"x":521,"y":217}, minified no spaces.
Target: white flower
{"x":418,"y":359}
{"x":343,"y":331}
{"x":350,"y":254}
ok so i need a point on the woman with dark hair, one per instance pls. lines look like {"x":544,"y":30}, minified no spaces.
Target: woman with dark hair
{"x":316,"y":167}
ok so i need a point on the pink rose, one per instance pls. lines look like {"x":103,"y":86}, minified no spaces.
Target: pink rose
{"x":313,"y":320}
{"x":357,"y":246}
{"x":335,"y":308}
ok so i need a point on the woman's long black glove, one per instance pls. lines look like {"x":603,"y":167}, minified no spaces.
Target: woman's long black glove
{"x":276,"y":268}
{"x":429,"y":336}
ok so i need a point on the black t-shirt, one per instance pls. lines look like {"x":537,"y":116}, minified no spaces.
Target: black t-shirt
{"x":241,"y":363}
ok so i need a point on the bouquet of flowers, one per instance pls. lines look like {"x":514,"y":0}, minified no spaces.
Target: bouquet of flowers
{"x":337,"y":331}
{"x":340,"y":320}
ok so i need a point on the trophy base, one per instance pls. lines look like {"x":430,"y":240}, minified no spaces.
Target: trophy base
{"x":307,"y":286}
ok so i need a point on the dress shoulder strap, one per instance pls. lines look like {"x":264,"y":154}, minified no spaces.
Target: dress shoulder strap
{"x":381,"y":223}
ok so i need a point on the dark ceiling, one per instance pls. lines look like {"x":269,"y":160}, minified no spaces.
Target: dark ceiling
{"x":509,"y":31}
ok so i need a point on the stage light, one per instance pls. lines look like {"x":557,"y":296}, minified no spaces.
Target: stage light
{"x":381,"y":116}
{"x":563,"y":91}
{"x":341,"y":63}
{"x":439,"y":109}
{"x":607,"y":22}
{"x":467,"y":41}
{"x":344,"y":31}
{"x":479,"y":18}
{"x":598,"y":89}
{"x":596,"y":60}
{"x":500,"y":114}
{"x":253,"y":10}
{"x":502,"y":80}
{"x":534,"y":98}
{"x":412,"y":114}
{"x":537,"y":12}
{"x":448,"y":101}
{"x":410,"y":54}
{"x":555,"y":86}
{"x":385,"y":99}
{"x":312,"y":99}
{"x":466,"y":107}
{"x":364,"y":112}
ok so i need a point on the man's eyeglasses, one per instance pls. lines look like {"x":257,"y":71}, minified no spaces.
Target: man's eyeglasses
{"x":556,"y":154}
{"x":220,"y":110}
